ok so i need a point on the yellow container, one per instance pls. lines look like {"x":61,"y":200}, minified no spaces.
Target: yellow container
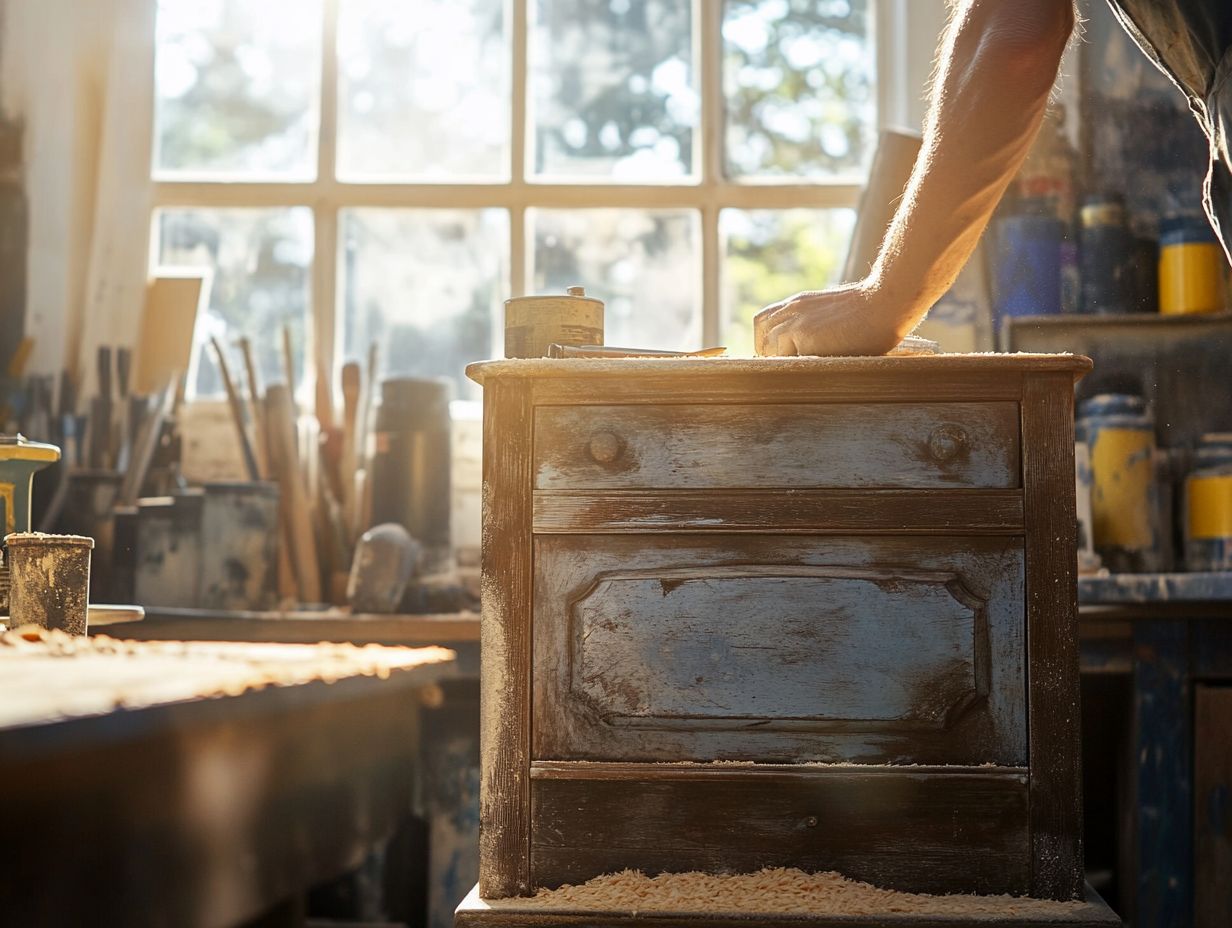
{"x":1191,"y":269}
{"x":1123,"y":472}
{"x":1210,"y":504}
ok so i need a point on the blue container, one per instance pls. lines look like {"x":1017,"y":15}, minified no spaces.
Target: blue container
{"x":1027,"y":266}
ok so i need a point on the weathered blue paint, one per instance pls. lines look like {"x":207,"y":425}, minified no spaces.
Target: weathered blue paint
{"x":1163,"y":775}
{"x":841,"y":647}
{"x":1155,"y":588}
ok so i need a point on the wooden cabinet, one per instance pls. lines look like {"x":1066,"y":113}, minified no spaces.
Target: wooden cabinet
{"x":791,"y":612}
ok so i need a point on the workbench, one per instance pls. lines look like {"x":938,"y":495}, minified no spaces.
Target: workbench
{"x":196,"y":784}
{"x":1172,"y":634}
{"x":448,"y":797}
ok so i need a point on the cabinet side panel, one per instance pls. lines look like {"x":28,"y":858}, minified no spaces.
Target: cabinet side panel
{"x":1052,"y":636}
{"x":504,"y":792}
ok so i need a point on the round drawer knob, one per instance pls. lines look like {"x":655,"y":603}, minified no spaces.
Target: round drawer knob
{"x":946,"y":443}
{"x":605,"y":447}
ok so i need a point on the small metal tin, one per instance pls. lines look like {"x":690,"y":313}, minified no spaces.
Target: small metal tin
{"x":50,"y":577}
{"x":1208,"y":505}
{"x":533,"y":323}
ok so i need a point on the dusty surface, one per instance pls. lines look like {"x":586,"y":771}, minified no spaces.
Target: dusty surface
{"x":49,"y":675}
{"x":773,"y":891}
{"x":572,"y":367}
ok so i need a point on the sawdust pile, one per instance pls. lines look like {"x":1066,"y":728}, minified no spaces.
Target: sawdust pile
{"x":775,"y":891}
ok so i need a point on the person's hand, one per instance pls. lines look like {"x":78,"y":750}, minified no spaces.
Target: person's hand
{"x":849,"y":320}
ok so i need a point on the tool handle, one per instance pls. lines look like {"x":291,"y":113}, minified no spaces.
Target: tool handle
{"x":237,"y":412}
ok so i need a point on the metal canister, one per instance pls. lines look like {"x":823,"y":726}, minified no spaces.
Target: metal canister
{"x":239,"y":546}
{"x":411,"y":456}
{"x":50,"y":580}
{"x":1208,"y":505}
{"x":1028,"y":263}
{"x":1128,"y":502}
{"x":168,"y":550}
{"x":1106,"y":256}
{"x":1191,"y":267}
{"x":532,"y":323}
{"x":1088,"y":560}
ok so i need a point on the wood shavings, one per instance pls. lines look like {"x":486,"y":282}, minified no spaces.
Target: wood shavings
{"x":774,"y":891}
{"x":49,"y":675}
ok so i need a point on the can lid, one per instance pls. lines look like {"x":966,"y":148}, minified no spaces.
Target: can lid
{"x":571,"y":293}
{"x":1112,"y":404}
{"x":1187,"y":229}
{"x":40,"y":538}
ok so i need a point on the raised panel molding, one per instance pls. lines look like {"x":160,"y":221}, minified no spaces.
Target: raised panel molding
{"x":789,"y":648}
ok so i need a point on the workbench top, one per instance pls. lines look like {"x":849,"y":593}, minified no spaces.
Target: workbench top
{"x":197,"y":784}
{"x":990,"y":362}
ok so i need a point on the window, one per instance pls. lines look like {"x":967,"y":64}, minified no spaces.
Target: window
{"x":392,"y":170}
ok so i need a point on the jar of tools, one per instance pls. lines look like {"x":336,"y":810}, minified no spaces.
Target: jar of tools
{"x":1130,"y":509}
{"x":1208,"y":505}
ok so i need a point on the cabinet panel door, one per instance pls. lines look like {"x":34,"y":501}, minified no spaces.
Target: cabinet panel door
{"x":882,"y":650}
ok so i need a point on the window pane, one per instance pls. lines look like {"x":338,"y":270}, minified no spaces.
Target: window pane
{"x":643,"y":264}
{"x":427,"y":286}
{"x":613,"y":89}
{"x":772,"y":254}
{"x":799,"y":84}
{"x":423,"y":89}
{"x":237,"y":88}
{"x":262,"y":261}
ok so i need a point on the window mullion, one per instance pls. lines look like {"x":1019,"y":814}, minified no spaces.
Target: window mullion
{"x":519,"y":256}
{"x":324,"y":301}
{"x":708,"y":14}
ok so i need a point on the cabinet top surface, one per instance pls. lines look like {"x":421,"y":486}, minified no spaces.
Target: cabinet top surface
{"x":908,"y":366}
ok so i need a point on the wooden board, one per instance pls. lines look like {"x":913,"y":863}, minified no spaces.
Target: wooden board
{"x":849,"y":445}
{"x":1212,"y":806}
{"x":168,"y":321}
{"x":893,"y":828}
{"x":1052,"y":637}
{"x":876,"y":650}
{"x":477,"y":912}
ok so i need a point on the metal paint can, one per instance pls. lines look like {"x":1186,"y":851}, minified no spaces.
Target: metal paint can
{"x":1106,"y":248}
{"x":1191,"y":268}
{"x":1028,"y":264}
{"x":411,"y":459}
{"x":239,"y":546}
{"x":1127,"y":499}
{"x":1088,"y":560}
{"x":532,"y":323}
{"x":168,"y":550}
{"x":1208,"y":505}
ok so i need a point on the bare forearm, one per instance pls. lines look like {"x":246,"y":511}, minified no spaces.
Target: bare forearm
{"x":998,"y":63}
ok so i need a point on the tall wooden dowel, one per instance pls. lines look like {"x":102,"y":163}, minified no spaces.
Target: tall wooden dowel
{"x":284,"y":457}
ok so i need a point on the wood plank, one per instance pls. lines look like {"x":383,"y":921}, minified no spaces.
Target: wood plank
{"x":1052,"y":636}
{"x":801,"y":386}
{"x":505,"y":642}
{"x":1212,"y":806}
{"x":475,"y":912}
{"x":900,"y":512}
{"x":569,"y":720}
{"x":894,"y":830}
{"x":763,"y":773}
{"x":796,"y":446}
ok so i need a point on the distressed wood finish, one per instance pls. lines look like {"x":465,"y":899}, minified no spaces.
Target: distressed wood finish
{"x":819,"y":571}
{"x":850,"y":445}
{"x":831,"y":631}
{"x":603,"y":825}
{"x":899,"y":512}
{"x":505,"y":644}
{"x":1212,"y":821}
{"x":1052,"y":636}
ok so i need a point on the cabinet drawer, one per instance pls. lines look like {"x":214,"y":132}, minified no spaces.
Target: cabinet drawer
{"x":844,"y":649}
{"x":838,"y":445}
{"x":893,"y":827}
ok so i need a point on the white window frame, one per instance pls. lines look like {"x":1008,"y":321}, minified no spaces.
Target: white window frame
{"x":710,"y":193}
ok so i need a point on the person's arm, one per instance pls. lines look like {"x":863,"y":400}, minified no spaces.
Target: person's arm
{"x":998,"y":63}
